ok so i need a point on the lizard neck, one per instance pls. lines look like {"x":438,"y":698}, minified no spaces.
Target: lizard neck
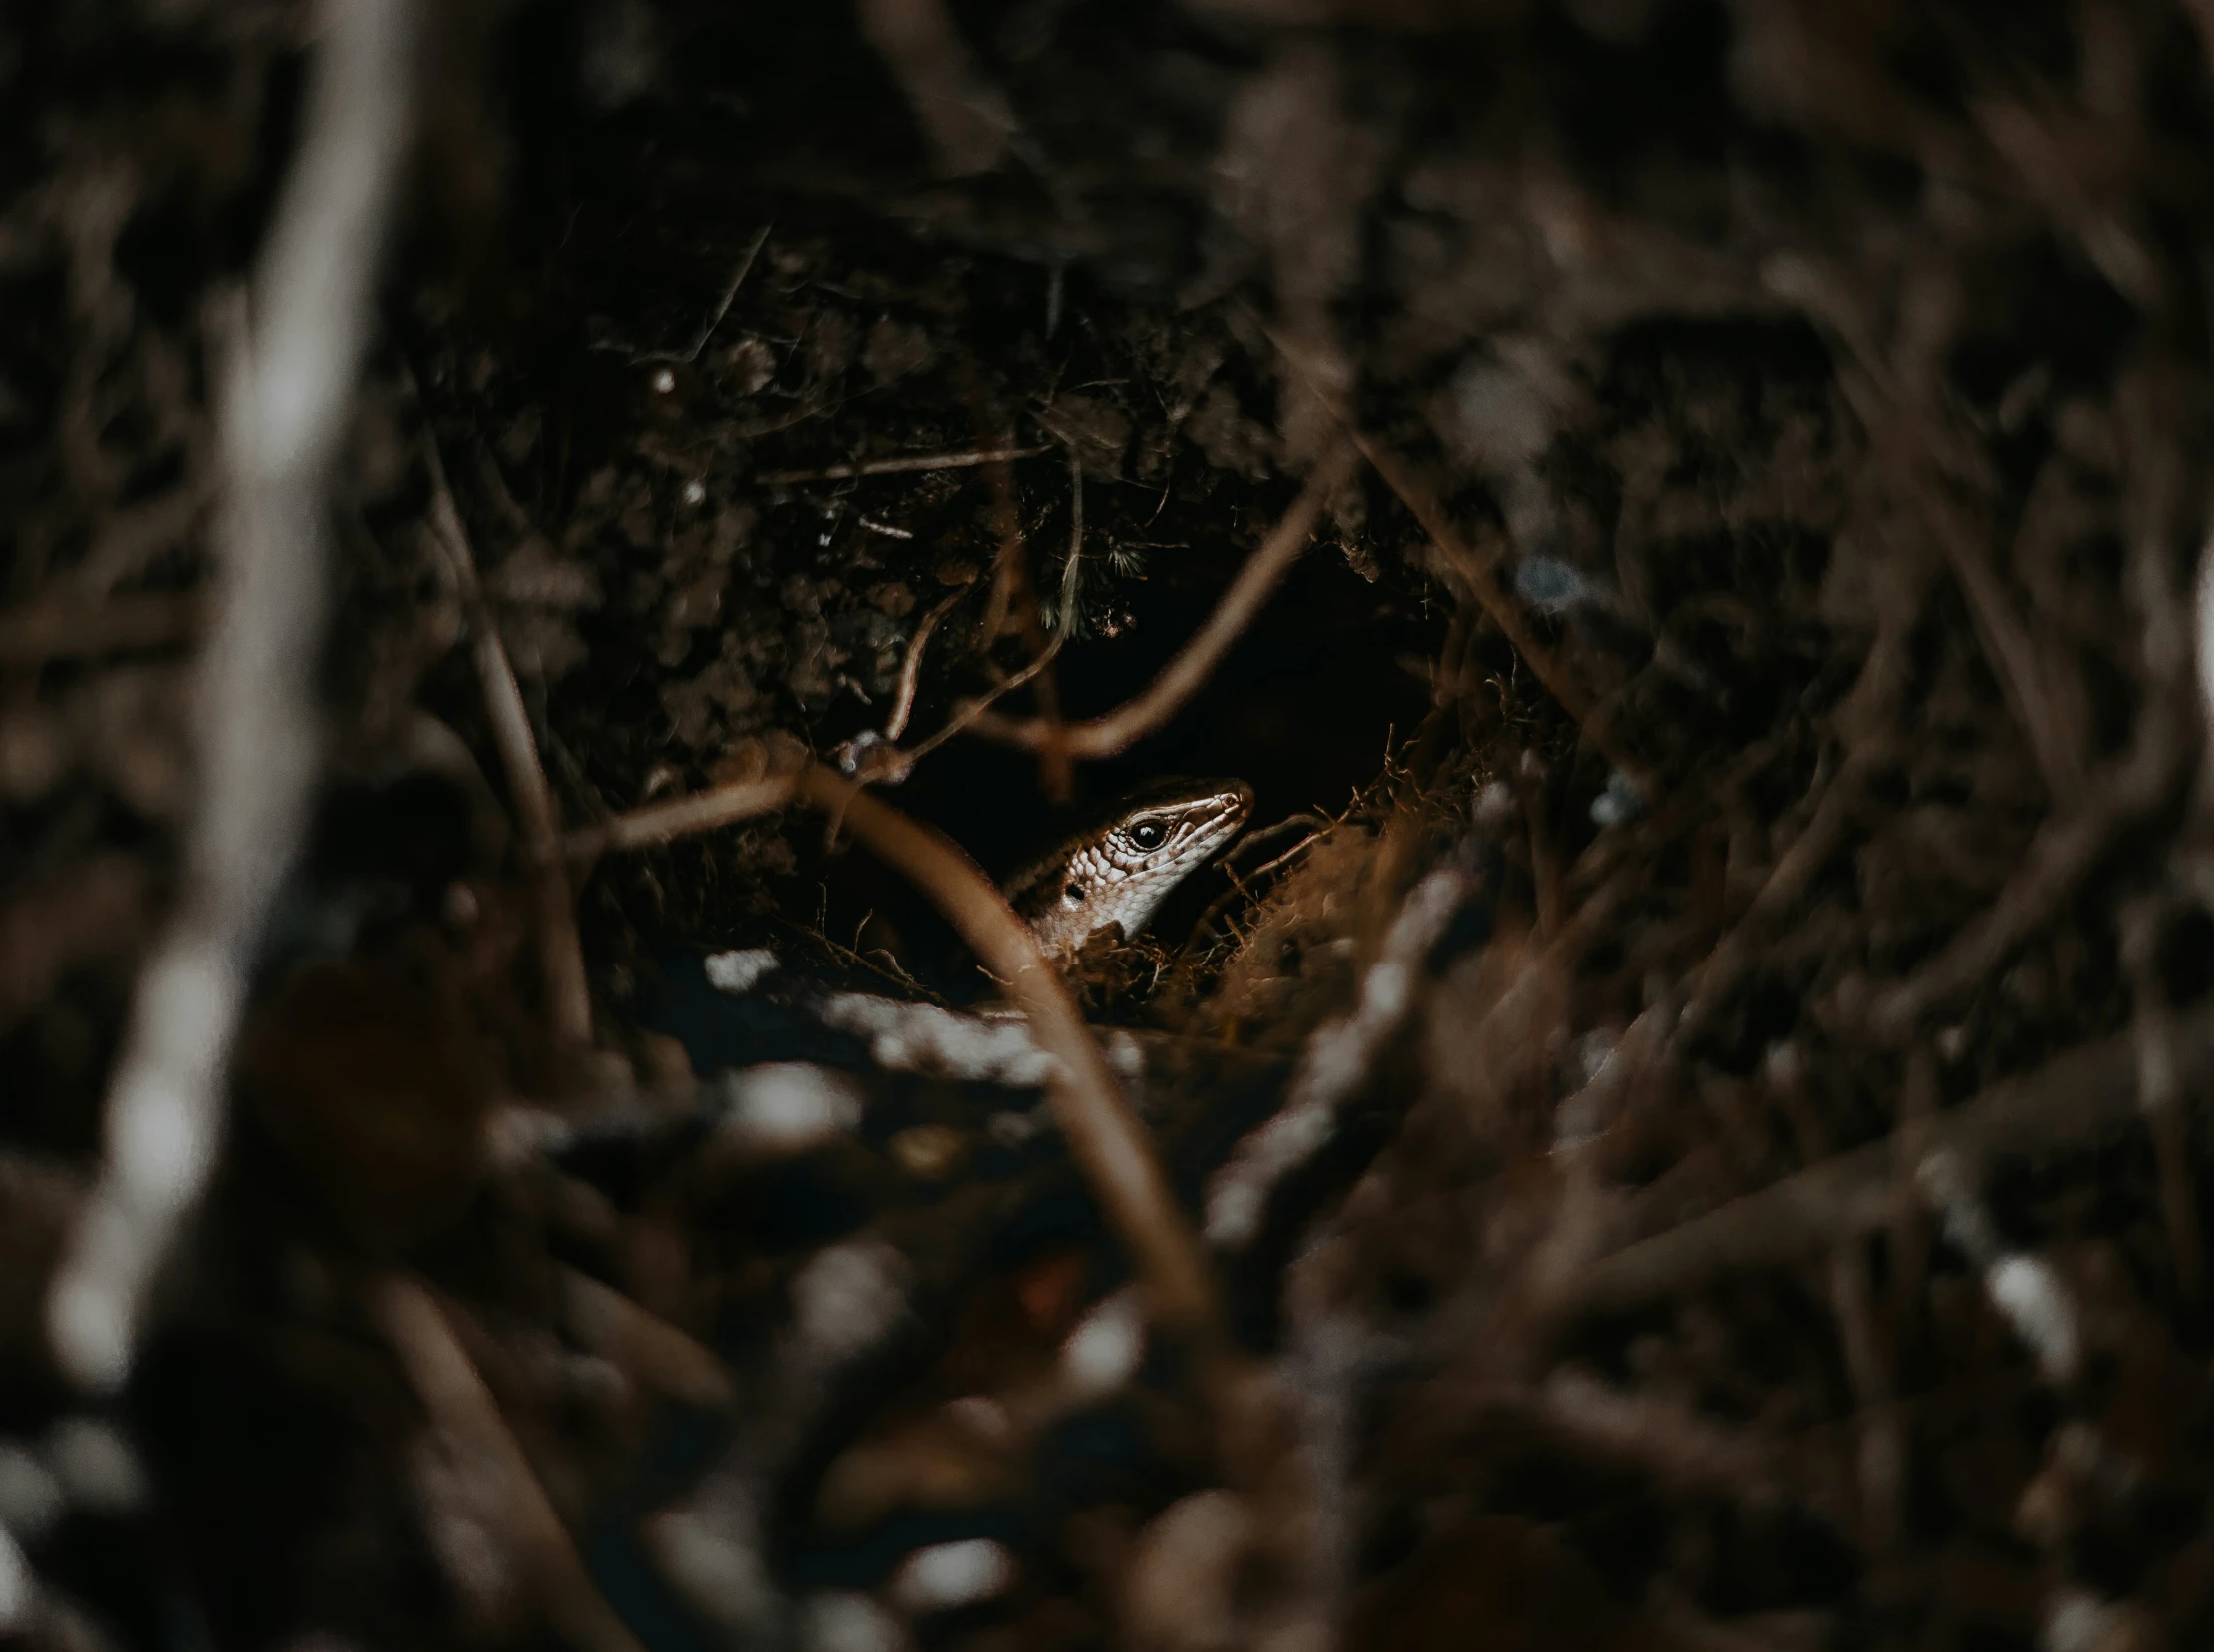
{"x":1119,"y":869}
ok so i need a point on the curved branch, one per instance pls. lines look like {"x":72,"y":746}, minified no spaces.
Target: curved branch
{"x":910,"y":665}
{"x":679,"y":817}
{"x":1123,"y":728}
{"x":905,"y":464}
{"x":969,"y":711}
{"x":1104,"y":1135}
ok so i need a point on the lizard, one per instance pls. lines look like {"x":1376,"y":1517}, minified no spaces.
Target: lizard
{"x":1118,"y":869}
{"x":1112,"y":873}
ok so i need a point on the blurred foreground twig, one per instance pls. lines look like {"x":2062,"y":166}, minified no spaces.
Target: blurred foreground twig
{"x":289,"y":402}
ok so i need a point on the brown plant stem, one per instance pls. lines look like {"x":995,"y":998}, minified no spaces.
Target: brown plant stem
{"x":1105,"y":1137}
{"x":1123,"y":728}
{"x":911,"y":663}
{"x":561,"y":955}
{"x":2070,"y":1102}
{"x":661,"y":823}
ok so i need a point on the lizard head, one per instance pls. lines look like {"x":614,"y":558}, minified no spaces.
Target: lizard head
{"x":1119,"y":870}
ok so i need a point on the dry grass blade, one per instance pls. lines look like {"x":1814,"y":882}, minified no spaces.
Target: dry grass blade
{"x":910,"y":466}
{"x":691,"y":352}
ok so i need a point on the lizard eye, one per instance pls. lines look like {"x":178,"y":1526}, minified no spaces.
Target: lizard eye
{"x":1148,"y":834}
{"x":1073,"y":895}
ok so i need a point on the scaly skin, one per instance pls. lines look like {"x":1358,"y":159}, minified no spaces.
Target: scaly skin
{"x":1118,"y":870}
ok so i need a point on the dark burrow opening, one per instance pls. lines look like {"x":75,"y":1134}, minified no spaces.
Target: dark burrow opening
{"x":1307,"y":709}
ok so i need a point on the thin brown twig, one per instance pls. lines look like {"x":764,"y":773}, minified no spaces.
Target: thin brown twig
{"x":1073,"y":569}
{"x":1919,"y":448}
{"x":2154,"y":1028}
{"x":1462,"y":564}
{"x":2072,"y":1102}
{"x":1239,"y":888}
{"x":1296,"y":849}
{"x":1217,"y":909}
{"x":1123,"y":728}
{"x":1717,"y":975}
{"x":1319,"y":826}
{"x":911,"y":665}
{"x":1545,"y":856}
{"x":910,"y":464}
{"x":878,"y":764}
{"x":2065,"y":848}
{"x":2004,"y":635}
{"x":284,"y":422}
{"x":1015,"y":592}
{"x":722,"y":309}
{"x":1316,"y":825}
{"x":561,"y":954}
{"x":970,"y":711}
{"x":887,"y":970}
{"x":446,"y":1381}
{"x":660,"y":823}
